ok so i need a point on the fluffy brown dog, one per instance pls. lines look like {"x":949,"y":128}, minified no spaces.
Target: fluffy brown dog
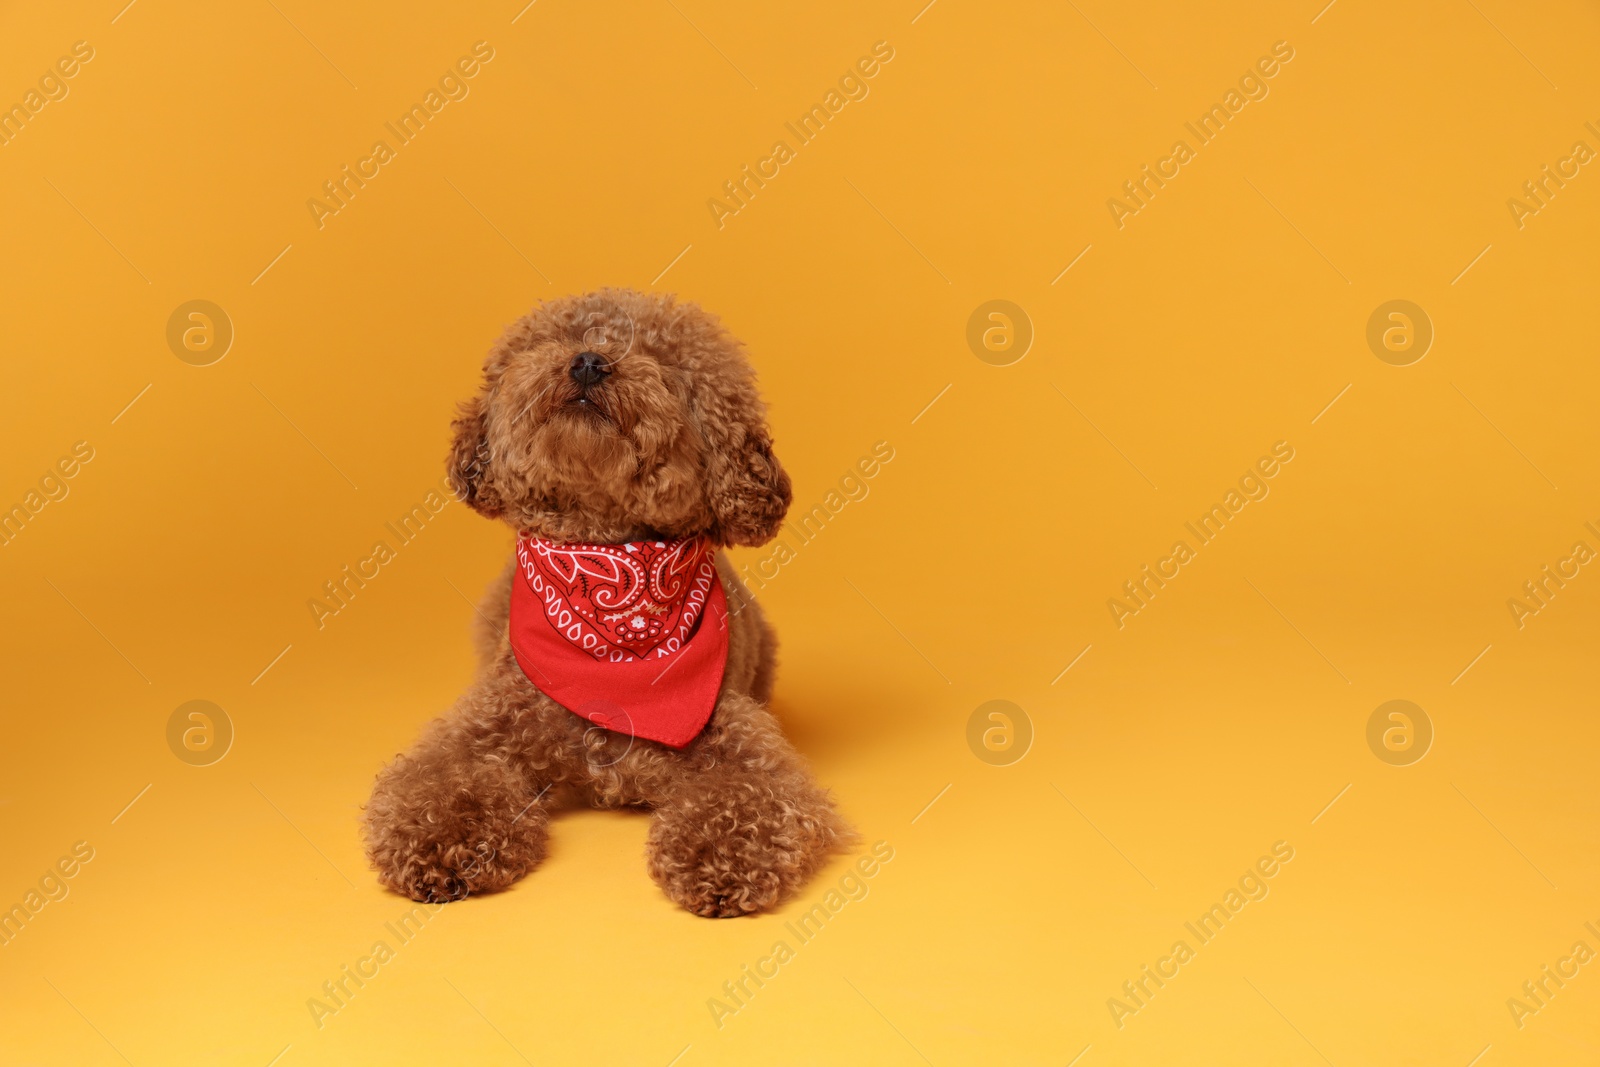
{"x":662,"y":436}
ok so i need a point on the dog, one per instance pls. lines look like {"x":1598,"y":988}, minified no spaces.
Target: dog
{"x":620,"y":434}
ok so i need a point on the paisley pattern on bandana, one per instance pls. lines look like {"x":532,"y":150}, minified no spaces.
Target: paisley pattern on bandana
{"x":622,"y":602}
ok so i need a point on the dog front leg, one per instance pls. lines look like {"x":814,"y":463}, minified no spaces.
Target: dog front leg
{"x":461,"y":813}
{"x":739,"y":824}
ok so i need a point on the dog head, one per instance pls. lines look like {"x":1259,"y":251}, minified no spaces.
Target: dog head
{"x":620,"y":416}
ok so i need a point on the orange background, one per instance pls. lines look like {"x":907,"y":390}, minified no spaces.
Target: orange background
{"x":1225,"y":716}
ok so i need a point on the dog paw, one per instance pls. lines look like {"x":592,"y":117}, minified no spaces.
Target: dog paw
{"x":437,"y":841}
{"x":443,"y":874}
{"x":705,"y":884}
{"x":728,"y":861}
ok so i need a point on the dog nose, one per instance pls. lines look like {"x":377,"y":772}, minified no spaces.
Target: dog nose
{"x":588,"y":369}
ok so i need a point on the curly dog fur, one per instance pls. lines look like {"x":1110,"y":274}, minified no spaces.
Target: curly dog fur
{"x":673,"y":442}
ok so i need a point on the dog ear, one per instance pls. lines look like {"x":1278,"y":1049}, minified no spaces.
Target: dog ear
{"x":468,"y":462}
{"x":747,"y":488}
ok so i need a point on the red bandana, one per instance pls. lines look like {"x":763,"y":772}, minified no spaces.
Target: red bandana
{"x":613,"y":632}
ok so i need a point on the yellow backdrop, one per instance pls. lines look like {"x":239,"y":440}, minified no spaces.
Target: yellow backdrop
{"x":1228,"y":375}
